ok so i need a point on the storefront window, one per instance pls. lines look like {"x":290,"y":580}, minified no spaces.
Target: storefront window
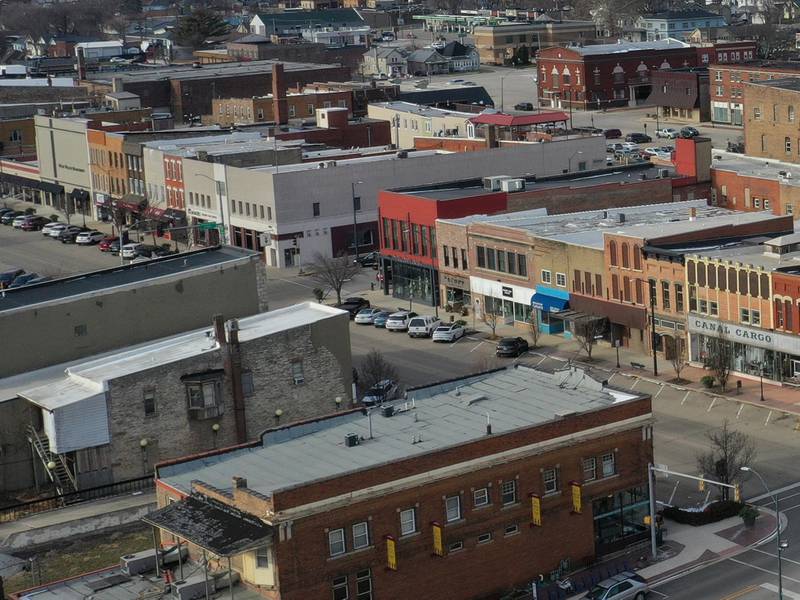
{"x":413,"y":280}
{"x":749,"y":360}
{"x":619,"y":518}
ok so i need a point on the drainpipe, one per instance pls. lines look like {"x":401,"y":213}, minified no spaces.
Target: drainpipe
{"x":233,"y":369}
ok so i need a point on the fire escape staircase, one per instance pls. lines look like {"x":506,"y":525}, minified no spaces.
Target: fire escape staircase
{"x":59,"y":474}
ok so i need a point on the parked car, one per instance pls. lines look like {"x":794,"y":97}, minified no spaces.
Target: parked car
{"x":105,"y":244}
{"x":19,"y":220}
{"x":52,"y":229}
{"x":114,"y":247}
{"x":511,"y":347}
{"x":9,"y":217}
{"x":370,"y":259}
{"x":638,"y":138}
{"x":130,"y":251}
{"x":23,"y":279}
{"x":688,"y":132}
{"x":380,"y":318}
{"x":366,"y":316}
{"x":39,"y":279}
{"x":160,"y":251}
{"x":667,"y":149}
{"x":423,"y":326}
{"x":669,"y":133}
{"x":448,"y":332}
{"x":380,"y":393}
{"x":612,"y":134}
{"x":399,"y":321}
{"x":86,"y":238}
{"x":613,"y":147}
{"x":523,"y":106}
{"x":35,"y":223}
{"x":4,"y":210}
{"x":353,"y":305}
{"x":630,"y":146}
{"x":147,"y":250}
{"x":6,"y":277}
{"x":624,"y":586}
{"x":69,"y":233}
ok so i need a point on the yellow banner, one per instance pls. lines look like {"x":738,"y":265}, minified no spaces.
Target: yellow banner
{"x":391,"y":553}
{"x":536,"y":510}
{"x":438,"y":548}
{"x":576,"y":497}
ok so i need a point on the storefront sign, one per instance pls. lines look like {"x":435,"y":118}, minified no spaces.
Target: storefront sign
{"x":438,"y":547}
{"x":495,"y":289}
{"x":507,"y":292}
{"x":536,"y":510}
{"x":576,"y":497}
{"x":391,"y":553}
{"x":454,"y":282}
{"x":750,"y":336}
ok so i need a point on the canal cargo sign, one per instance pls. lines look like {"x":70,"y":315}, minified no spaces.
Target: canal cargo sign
{"x":750,"y":336}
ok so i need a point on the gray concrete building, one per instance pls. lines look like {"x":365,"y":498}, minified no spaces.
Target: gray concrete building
{"x":111,"y":417}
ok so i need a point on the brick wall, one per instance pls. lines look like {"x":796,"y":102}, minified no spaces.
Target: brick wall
{"x":770,"y":123}
{"x":738,"y":192}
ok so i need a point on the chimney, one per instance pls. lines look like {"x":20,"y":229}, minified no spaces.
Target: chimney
{"x":280,"y":109}
{"x":692,"y":213}
{"x":239,"y":483}
{"x":219,"y":329}
{"x":82,"y":64}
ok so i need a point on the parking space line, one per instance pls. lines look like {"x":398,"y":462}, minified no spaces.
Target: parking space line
{"x":766,"y":421}
{"x":739,"y":412}
{"x":478,"y":346}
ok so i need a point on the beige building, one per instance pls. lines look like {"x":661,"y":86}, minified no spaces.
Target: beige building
{"x":771,"y":115}
{"x":410,"y":121}
{"x":517,"y":43}
{"x":259,"y":109}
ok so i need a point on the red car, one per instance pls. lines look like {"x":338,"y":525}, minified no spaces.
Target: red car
{"x":105,"y":243}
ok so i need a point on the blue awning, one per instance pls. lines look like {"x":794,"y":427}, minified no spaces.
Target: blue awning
{"x":547,"y":303}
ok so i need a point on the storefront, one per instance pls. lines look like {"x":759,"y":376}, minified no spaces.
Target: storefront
{"x":619,"y":519}
{"x":455,"y":291}
{"x":548,"y":303}
{"x":512,"y":303}
{"x":415,"y":282}
{"x":754,"y":351}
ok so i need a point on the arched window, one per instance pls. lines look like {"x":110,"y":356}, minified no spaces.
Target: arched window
{"x":637,"y":257}
{"x":612,"y":252}
{"x":764,"y":286}
{"x":731,"y":279}
{"x":618,"y":74}
{"x":625,"y":258}
{"x":721,"y":279}
{"x":665,"y":65}
{"x":690,"y":271}
{"x":743,"y":282}
{"x":642,"y":71}
{"x":753,"y":284}
{"x":701,"y":274}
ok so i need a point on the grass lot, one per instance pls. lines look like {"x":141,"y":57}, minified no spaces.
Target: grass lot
{"x":88,"y":553}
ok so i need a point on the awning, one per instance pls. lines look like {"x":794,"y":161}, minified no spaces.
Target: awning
{"x":44,"y":186}
{"x":547,"y":303}
{"x":219,"y":528}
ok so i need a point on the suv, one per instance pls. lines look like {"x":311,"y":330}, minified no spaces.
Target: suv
{"x":512,"y":347}
{"x":688,"y":132}
{"x":70,"y":233}
{"x":612,"y":134}
{"x":380,"y":392}
{"x":353,"y":305}
{"x":667,"y":132}
{"x":35,"y":223}
{"x":399,"y":321}
{"x":370,"y":259}
{"x":422,"y":326}
{"x":624,"y":586}
{"x":638,"y":138}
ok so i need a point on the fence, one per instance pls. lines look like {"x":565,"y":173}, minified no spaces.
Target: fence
{"x":23,"y":509}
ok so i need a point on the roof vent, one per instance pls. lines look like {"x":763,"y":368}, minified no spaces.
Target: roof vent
{"x":351,"y":439}
{"x":621,"y":217}
{"x":387,"y":411}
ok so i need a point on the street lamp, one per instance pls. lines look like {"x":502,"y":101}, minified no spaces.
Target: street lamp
{"x":356,"y":208}
{"x":569,"y":162}
{"x":779,"y":546}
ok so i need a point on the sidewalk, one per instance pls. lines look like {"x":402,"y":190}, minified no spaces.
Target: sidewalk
{"x":779,"y":398}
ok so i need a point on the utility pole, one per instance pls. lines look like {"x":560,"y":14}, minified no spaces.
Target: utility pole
{"x":356,"y":207}
{"x":653,"y":328}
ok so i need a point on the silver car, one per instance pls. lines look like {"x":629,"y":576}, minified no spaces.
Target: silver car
{"x":624,"y":586}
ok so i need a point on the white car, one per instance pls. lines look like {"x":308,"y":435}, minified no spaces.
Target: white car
{"x":366,"y":316}
{"x":399,"y":321}
{"x":423,"y":326}
{"x":130,"y":250}
{"x":18,"y":221}
{"x":629,"y":146}
{"x":89,"y":237}
{"x":667,"y":132}
{"x":448,"y":332}
{"x":51,"y":227}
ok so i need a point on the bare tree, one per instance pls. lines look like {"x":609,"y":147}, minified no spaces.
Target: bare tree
{"x":730,"y":450}
{"x":718,"y":357}
{"x":332,"y":272}
{"x":491,"y":316}
{"x":586,"y":332}
{"x":373,"y":369}
{"x":533,"y":330}
{"x":679,"y":358}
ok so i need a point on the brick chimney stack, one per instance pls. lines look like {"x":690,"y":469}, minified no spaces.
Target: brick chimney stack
{"x":280,"y":107}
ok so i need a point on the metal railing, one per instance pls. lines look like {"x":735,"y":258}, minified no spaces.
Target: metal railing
{"x":119,"y":488}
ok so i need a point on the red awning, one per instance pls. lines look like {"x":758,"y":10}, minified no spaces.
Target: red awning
{"x":519,"y":120}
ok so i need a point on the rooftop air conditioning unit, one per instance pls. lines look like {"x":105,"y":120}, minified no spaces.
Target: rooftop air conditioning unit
{"x":512,"y":185}
{"x":192,"y":587}
{"x":493,"y":183}
{"x":140,"y":562}
{"x":663,"y":173}
{"x":351,"y":439}
{"x":387,"y":411}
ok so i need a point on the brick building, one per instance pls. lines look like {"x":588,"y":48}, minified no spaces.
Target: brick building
{"x":17,"y":139}
{"x":514,"y":43}
{"x":463,"y":490}
{"x":681,"y":94}
{"x":111,"y":417}
{"x":786,"y":301}
{"x":302,"y":104}
{"x":729,"y":80}
{"x":770,"y":122}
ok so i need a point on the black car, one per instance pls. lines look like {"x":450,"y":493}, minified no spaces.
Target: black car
{"x":9,"y":217}
{"x":163,"y":251}
{"x":69,"y":233}
{"x":638,"y":138}
{"x":612,"y":134}
{"x":523,"y":106}
{"x":7,"y":277}
{"x":353,"y":305}
{"x":5,"y":210}
{"x":370,"y":259}
{"x":511,"y":347}
{"x":688,"y":132}
{"x":113,"y":247}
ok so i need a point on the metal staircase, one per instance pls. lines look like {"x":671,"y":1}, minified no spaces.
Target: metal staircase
{"x":60,"y":474}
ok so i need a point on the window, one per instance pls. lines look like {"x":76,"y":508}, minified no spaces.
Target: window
{"x":501,"y":261}
{"x":718,"y":76}
{"x":546,"y":276}
{"x":204,"y":397}
{"x":491,"y":259}
{"x":713,"y":308}
{"x":665,"y":295}
{"x":364,"y":585}
{"x":703,"y":306}
{"x":757,"y":112}
{"x":480,"y":497}
{"x":550,"y":477}
{"x":408,"y":521}
{"x":262,"y":557}
{"x":508,"y":492}
{"x":297,"y":372}
{"x":336,"y":543}
{"x":339,"y":587}
{"x":755,"y":317}
{"x":589,"y":469}
{"x":481,"y":253}
{"x":315,"y":209}
{"x":763,"y":142}
{"x":511,"y":530}
{"x":485,"y":538}
{"x":455,"y":257}
{"x":612,"y":251}
{"x":744,"y":315}
{"x":787,"y":145}
{"x":261,"y":211}
{"x":608,"y":464}
{"x":463,"y":259}
{"x":522,"y":267}
{"x":625,"y":259}
{"x":80,"y":330}
{"x":360,"y":535}
{"x":453,"y":508}
{"x":790,"y":113}
{"x":446,"y":256}
{"x":149,"y":403}
{"x":455,"y":547}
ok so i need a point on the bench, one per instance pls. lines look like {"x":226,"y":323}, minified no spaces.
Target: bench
{"x":637,"y":365}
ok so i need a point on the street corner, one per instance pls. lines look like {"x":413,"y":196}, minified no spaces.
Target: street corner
{"x":750,"y":535}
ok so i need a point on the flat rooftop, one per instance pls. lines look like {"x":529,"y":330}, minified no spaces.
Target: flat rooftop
{"x":762,"y":168}
{"x":623,"y":47}
{"x":421,"y":110}
{"x":98,"y":282}
{"x":444,"y":415}
{"x":791,"y":84}
{"x":379,"y":155}
{"x":756,"y":256}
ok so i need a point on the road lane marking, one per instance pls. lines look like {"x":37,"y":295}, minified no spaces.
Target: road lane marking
{"x":740,"y":593}
{"x":779,"y":491}
{"x":783,"y":558}
{"x":786,"y":593}
{"x":662,"y":594}
{"x":763,"y":570}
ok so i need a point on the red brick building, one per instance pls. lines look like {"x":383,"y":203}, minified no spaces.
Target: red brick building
{"x":465,"y":491}
{"x":786,"y":300}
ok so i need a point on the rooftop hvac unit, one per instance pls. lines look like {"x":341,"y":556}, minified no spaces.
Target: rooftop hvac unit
{"x":663,"y":173}
{"x":351,"y":439}
{"x":192,"y":587}
{"x":141,"y":562}
{"x":512,"y":185}
{"x":387,"y":411}
{"x":493,"y":183}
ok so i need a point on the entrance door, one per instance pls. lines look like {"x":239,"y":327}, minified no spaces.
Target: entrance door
{"x":508,"y":312}
{"x":288,"y":257}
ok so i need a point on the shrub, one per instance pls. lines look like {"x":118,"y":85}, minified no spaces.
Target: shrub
{"x":707,"y":381}
{"x":716,"y":511}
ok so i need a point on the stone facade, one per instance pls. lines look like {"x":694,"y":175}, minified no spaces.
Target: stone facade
{"x":770,"y":121}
